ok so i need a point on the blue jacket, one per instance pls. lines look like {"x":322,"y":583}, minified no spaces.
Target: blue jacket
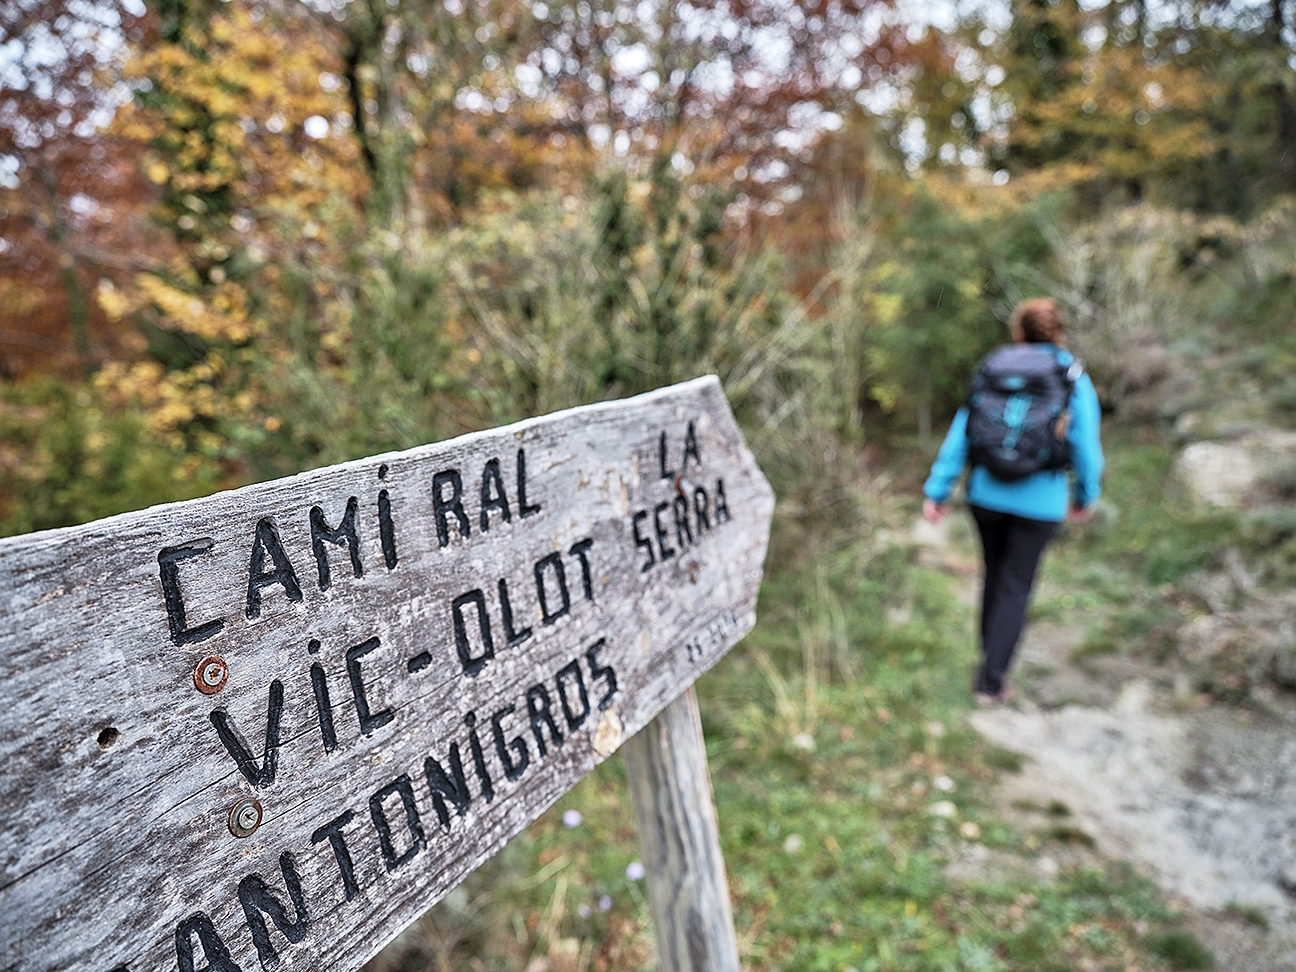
{"x":1043,"y":495}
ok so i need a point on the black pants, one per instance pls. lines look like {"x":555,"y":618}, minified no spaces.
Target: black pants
{"x":1013,"y":546}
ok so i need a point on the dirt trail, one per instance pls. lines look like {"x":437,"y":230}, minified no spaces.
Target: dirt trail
{"x":1203,"y":800}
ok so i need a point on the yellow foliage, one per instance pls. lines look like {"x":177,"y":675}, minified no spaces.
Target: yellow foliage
{"x":886,"y":307}
{"x":114,"y":303}
{"x":237,"y":98}
{"x":223,"y":133}
{"x":223,"y":318}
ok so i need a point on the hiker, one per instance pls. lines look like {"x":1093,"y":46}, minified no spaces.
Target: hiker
{"x":1031,"y":415}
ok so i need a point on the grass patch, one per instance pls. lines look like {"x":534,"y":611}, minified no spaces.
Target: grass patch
{"x":1070,"y":834}
{"x":1134,"y":564}
{"x":1158,"y":536}
{"x":1182,"y":950}
{"x":1004,"y":759}
{"x":1283,"y":397}
{"x":1146,"y":625}
{"x":1037,"y":669}
{"x":1063,"y":607}
{"x":1035,"y":947}
{"x":1096,"y":643}
{"x":1249,"y":914}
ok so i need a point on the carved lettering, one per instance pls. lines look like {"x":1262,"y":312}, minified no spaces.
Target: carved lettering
{"x":402,"y":787}
{"x":492,"y":494}
{"x":332,"y":832}
{"x":263,"y":773}
{"x":266,"y":541}
{"x":168,"y":563}
{"x":443,"y":504}
{"x":258,"y":901}
{"x":344,"y":535}
{"x":472,"y":664}
{"x":369,"y":721}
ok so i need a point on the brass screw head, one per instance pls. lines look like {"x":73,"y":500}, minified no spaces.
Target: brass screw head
{"x":209,"y":675}
{"x":245,"y":817}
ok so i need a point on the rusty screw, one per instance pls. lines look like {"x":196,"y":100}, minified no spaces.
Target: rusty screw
{"x":245,"y":817}
{"x":209,"y":675}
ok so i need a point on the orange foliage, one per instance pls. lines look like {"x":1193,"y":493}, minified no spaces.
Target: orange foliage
{"x":72,"y":211}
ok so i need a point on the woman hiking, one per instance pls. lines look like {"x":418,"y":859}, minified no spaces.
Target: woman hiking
{"x":1030,"y":432}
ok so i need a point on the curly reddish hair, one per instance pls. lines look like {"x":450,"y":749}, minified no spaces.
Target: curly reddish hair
{"x":1037,"y":321}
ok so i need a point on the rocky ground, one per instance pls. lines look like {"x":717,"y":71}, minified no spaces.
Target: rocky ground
{"x":1202,"y":799}
{"x":1121,"y":751}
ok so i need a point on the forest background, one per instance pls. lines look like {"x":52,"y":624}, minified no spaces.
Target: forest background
{"x":239,"y":239}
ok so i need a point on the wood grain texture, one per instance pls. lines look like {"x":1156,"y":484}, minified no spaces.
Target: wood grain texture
{"x":670,"y":787}
{"x":115,"y":848}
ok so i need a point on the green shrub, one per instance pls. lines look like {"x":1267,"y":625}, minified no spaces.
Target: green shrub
{"x":1282,"y":481}
{"x":69,"y":456}
{"x":1283,"y":397}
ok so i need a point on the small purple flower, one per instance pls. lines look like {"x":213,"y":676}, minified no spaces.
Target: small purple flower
{"x":635,"y":871}
{"x":605,"y":903}
{"x":583,"y":911}
{"x":572,"y":818}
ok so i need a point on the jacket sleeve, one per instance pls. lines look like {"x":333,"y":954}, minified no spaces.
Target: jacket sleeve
{"x":949,"y":461}
{"x":1086,"y":446}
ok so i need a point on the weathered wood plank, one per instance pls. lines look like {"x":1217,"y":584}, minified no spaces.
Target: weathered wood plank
{"x":670,"y":787}
{"x":616,"y":551}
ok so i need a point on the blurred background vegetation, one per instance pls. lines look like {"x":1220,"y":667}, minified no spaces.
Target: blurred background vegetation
{"x":242,"y":238}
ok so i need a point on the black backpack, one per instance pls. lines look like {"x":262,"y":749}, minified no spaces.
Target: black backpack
{"x":1016,"y":403}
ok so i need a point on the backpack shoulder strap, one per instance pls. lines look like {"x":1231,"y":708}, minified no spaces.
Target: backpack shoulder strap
{"x":977,"y":382}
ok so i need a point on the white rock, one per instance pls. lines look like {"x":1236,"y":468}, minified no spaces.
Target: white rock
{"x":1224,"y":473}
{"x":1218,"y":474}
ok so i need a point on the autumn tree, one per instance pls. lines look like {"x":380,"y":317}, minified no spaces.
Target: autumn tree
{"x":1244,"y":52}
{"x":69,"y":198}
{"x":256,"y":180}
{"x":1186,"y":102}
{"x":1095,"y":103}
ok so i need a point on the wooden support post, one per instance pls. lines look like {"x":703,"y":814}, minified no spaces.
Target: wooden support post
{"x":671,"y":791}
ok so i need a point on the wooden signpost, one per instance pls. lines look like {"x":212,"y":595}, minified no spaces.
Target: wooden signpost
{"x":271,"y":727}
